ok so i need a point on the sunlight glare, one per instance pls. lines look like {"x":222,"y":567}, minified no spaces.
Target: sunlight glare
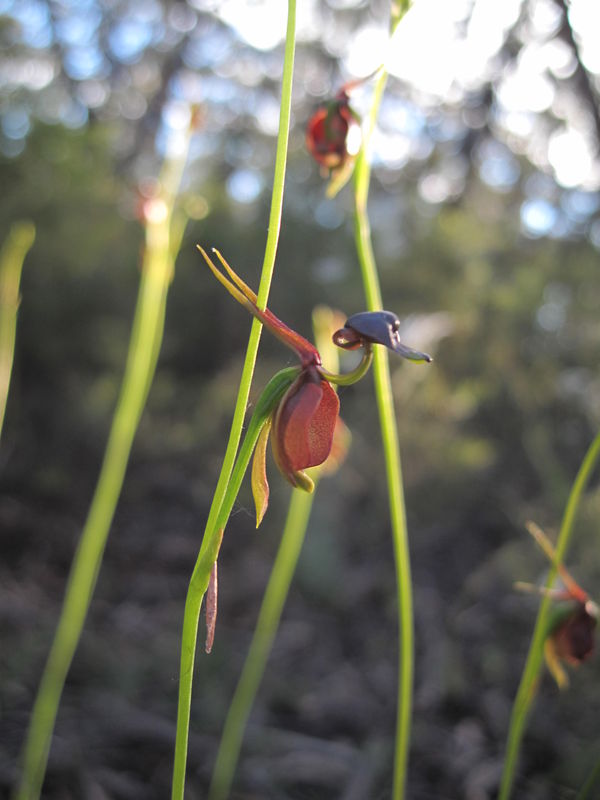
{"x":572,"y":159}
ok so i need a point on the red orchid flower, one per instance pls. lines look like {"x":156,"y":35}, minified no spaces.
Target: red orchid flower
{"x":572,"y":638}
{"x":570,"y":631}
{"x":299,"y":406}
{"x":304,"y":418}
{"x":333,"y":133}
{"x":334,"y":136}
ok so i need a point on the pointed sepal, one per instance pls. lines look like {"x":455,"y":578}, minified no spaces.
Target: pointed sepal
{"x":260,"y":484}
{"x":307,"y":352}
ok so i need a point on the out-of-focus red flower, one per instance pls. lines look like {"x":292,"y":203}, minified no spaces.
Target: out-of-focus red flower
{"x":570,"y":631}
{"x":573,"y":636}
{"x":333,"y":134}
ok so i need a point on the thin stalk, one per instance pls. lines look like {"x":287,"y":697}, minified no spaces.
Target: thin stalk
{"x":20,"y":238}
{"x":530,"y":678}
{"x":284,"y":566}
{"x":389,"y":437}
{"x":210,"y":542}
{"x":144,"y":345}
{"x":262,"y":641}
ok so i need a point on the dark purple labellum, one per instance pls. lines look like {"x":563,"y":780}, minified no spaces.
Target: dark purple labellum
{"x":376,"y":327}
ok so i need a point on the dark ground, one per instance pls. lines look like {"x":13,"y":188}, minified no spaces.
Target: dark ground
{"x":323,"y":723}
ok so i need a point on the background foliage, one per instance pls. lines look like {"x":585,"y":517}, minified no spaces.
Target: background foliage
{"x":488,"y":247}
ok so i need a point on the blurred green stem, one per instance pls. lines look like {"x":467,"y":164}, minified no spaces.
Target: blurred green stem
{"x":163,"y":239}
{"x":211,"y":539}
{"x":262,"y":641}
{"x":389,"y":437}
{"x":529,"y":680}
{"x":20,"y":238}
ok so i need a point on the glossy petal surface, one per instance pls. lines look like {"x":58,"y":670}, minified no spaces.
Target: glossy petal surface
{"x":304,"y":425}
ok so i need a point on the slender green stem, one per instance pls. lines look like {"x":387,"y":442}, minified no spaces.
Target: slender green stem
{"x":389,"y":436}
{"x":262,"y":641}
{"x":348,"y":378}
{"x":271,"y":396}
{"x":16,"y":247}
{"x":530,"y":677}
{"x":144,"y":345}
{"x":274,"y":598}
{"x":196,"y":587}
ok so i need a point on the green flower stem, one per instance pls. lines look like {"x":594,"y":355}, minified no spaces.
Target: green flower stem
{"x":144,"y":345}
{"x":389,"y":436}
{"x":20,"y":238}
{"x":274,"y":599}
{"x":356,"y":374}
{"x":196,"y":587}
{"x":211,"y":543}
{"x":262,"y":641}
{"x":530,"y":678}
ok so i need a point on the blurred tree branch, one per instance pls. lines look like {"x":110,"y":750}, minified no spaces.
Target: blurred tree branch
{"x":582,"y":78}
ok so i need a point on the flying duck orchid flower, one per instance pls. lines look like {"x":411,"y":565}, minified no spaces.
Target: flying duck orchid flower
{"x":570,"y":630}
{"x":298,"y":409}
{"x":334,"y":136}
{"x":333,"y":133}
{"x":304,"y":406}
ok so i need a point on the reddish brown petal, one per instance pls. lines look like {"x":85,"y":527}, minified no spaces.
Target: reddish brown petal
{"x":304,"y":425}
{"x":326,"y":136}
{"x":574,"y":638}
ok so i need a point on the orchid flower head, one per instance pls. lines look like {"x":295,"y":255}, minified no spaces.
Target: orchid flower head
{"x":304,"y":417}
{"x":571,"y":627}
{"x":305,"y":407}
{"x":333,"y":134}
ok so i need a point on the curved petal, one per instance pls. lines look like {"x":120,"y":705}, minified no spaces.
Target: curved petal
{"x":304,"y":425}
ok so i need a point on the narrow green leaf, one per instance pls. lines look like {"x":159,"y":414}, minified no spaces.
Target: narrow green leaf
{"x":14,"y":250}
{"x":197,"y":586}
